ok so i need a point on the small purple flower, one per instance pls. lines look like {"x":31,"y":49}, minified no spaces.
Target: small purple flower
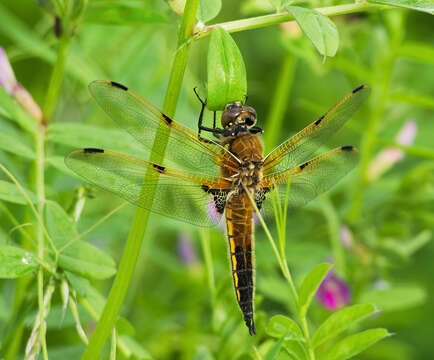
{"x":388,"y":157}
{"x":333,"y":293}
{"x":9,"y":83}
{"x":186,"y":251}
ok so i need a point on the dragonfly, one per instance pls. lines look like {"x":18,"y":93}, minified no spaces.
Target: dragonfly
{"x":229,"y":172}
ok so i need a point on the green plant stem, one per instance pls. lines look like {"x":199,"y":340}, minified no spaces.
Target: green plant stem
{"x":40,"y":193}
{"x":383,"y":73}
{"x":56,"y":77}
{"x":332,"y":219}
{"x":141,"y":217}
{"x":280,"y":102}
{"x":267,"y":20}
{"x":207,"y":255}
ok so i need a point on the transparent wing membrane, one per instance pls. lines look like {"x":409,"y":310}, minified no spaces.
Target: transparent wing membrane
{"x":301,"y":147}
{"x":144,"y":121}
{"x":177,"y":194}
{"x":312,"y":178}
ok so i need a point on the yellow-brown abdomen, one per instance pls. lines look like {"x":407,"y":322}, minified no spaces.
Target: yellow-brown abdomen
{"x":239,"y":221}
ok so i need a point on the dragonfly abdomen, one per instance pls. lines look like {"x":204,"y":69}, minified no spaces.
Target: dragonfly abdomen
{"x":239,"y":213}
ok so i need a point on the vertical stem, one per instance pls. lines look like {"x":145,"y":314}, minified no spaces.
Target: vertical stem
{"x":206,"y":249}
{"x":333,"y":224}
{"x":141,"y":217}
{"x":56,"y":78}
{"x":280,"y":102}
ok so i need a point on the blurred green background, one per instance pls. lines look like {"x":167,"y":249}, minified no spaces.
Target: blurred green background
{"x":169,"y":304}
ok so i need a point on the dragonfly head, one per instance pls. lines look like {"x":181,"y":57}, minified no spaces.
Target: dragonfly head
{"x":238,"y":117}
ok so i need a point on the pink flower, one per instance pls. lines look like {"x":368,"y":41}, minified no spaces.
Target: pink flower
{"x":9,"y":83}
{"x":333,"y":293}
{"x":346,"y":236}
{"x":390,"y":156}
{"x":186,"y":251}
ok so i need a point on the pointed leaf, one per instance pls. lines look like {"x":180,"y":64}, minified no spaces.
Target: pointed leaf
{"x":355,"y":344}
{"x":420,"y":5}
{"x":274,"y":350}
{"x":296,"y":349}
{"x":310,"y":285}
{"x":15,"y":262}
{"x":133,"y":348}
{"x":282,"y":326}
{"x":80,"y":258}
{"x":226,"y":71}
{"x":9,"y":192}
{"x":339,"y":321}
{"x":320,"y":30}
{"x":15,"y":112}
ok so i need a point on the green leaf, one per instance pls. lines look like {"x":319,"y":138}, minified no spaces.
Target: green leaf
{"x":15,"y":262}
{"x":320,"y":30}
{"x":355,"y":344}
{"x":419,"y":5}
{"x":113,"y":12}
{"x":15,"y":112}
{"x":282,"y":326}
{"x":9,"y":192}
{"x":310,"y":285}
{"x":80,"y":258}
{"x":340,"y":321}
{"x":133,"y":348}
{"x":226,"y":71}
{"x":396,"y":298}
{"x":208,"y":9}
{"x":296,"y":349}
{"x":274,"y":350}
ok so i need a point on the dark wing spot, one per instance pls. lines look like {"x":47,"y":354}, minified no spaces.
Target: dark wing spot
{"x":319,"y":120}
{"x":93,"y":150}
{"x":159,"y":168}
{"x":302,"y":166}
{"x":205,"y":188}
{"x":167,"y":119}
{"x":120,"y":86}
{"x":347,"y":148}
{"x":359,"y":88}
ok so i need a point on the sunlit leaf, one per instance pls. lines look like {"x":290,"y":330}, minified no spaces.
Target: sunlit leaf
{"x":280,"y":325}
{"x":208,"y":9}
{"x":310,"y":285}
{"x":355,"y":344}
{"x":320,"y":30}
{"x":15,"y":112}
{"x":226,"y":71}
{"x":341,"y":320}
{"x":396,"y":298}
{"x":133,"y":348}
{"x":296,"y":349}
{"x":274,"y":350}
{"x":15,"y":262}
{"x":420,"y":5}
{"x":9,"y":192}
{"x":80,"y":258}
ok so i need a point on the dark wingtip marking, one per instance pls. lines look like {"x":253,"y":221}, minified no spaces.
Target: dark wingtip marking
{"x":347,"y":148}
{"x":159,"y":168}
{"x":93,"y":150}
{"x":120,"y":86}
{"x":358,"y":88}
{"x":205,"y":188}
{"x":302,"y":166}
{"x":167,"y":119}
{"x":319,"y":120}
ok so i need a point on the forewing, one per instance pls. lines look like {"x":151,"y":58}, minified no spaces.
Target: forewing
{"x":311,"y":178}
{"x":142,"y":119}
{"x":177,"y":194}
{"x":300,"y":147}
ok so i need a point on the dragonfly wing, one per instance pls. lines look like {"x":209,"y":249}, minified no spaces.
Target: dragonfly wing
{"x":142,"y":120}
{"x":177,"y":194}
{"x":311,"y":178}
{"x":299,"y":148}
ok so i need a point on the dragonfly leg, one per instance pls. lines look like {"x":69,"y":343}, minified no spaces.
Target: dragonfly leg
{"x":215,"y":131}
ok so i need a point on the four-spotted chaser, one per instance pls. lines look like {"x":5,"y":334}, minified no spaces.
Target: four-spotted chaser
{"x":197,"y":171}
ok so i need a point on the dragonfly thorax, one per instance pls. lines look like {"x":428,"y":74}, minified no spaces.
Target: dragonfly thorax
{"x":249,"y":175}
